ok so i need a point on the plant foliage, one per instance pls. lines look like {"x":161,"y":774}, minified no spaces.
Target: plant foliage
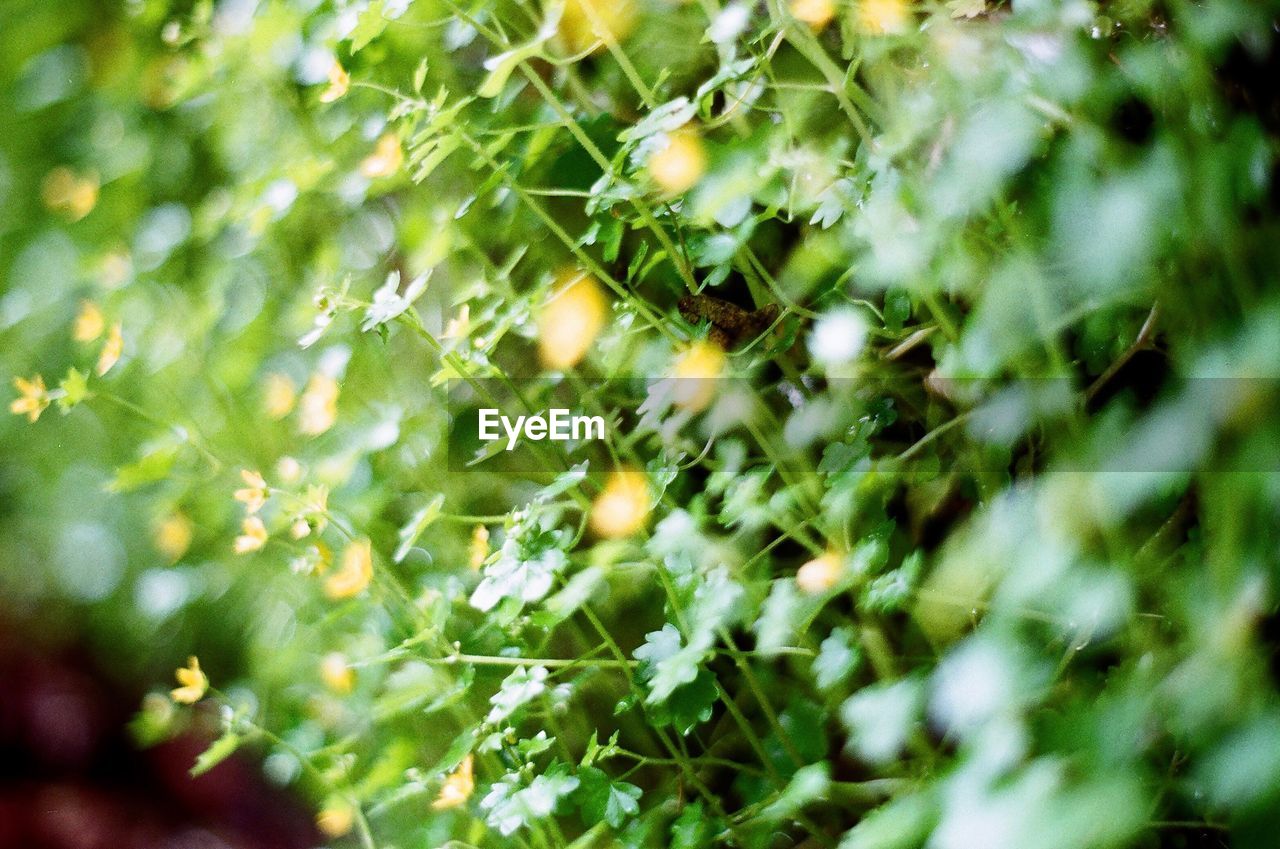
{"x":957,"y":528}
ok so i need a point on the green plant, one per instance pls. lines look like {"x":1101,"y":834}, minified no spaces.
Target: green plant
{"x":956,"y":529}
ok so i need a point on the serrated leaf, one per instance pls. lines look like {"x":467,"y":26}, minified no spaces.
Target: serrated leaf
{"x":689,"y":705}
{"x":601,"y":798}
{"x":370,"y":25}
{"x":75,"y":388}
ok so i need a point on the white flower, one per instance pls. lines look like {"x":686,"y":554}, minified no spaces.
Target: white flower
{"x":519,"y":687}
{"x":388,"y":303}
{"x":973,"y":684}
{"x":729,"y":24}
{"x":880,"y":717}
{"x":839,"y":337}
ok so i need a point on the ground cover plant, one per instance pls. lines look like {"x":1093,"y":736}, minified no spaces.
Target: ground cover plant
{"x":937,"y":344}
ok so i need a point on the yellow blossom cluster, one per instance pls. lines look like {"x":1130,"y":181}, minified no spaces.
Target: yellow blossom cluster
{"x":696,"y":371}
{"x":591,"y":24}
{"x":821,"y":573}
{"x":68,"y":193}
{"x":33,"y":398}
{"x":386,"y":159}
{"x":679,"y":166}
{"x":318,"y":406}
{"x":458,"y":786}
{"x":339,"y":82}
{"x":354,"y":572}
{"x":192,"y":681}
{"x":623,"y":506}
{"x":570,"y":320}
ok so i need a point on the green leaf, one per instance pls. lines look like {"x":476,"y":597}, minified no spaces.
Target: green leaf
{"x":75,"y":389}
{"x":152,"y":466}
{"x":569,"y":600}
{"x":781,"y":615}
{"x":603,"y":799}
{"x":904,"y":823}
{"x":693,"y":828}
{"x":454,"y":693}
{"x":889,"y":592}
{"x":219,"y":751}
{"x":413,"y":529}
{"x":369,"y":27}
{"x":808,"y":785}
{"x":461,"y":746}
{"x":612,"y":231}
{"x":564,"y":482}
{"x":596,"y":752}
{"x":838,"y":658}
{"x":688,"y":706}
{"x":500,"y":67}
{"x":633,"y":267}
{"x":428,"y":157}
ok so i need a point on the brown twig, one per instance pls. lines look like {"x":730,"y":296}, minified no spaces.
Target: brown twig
{"x":1141,"y":343}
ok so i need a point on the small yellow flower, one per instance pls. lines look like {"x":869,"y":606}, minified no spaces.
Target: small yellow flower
{"x":478,"y":551}
{"x":883,"y":17}
{"x":172,"y":536}
{"x":33,"y":398}
{"x":680,"y":165}
{"x":194,"y":683}
{"x":339,"y":82}
{"x":336,"y":818}
{"x":386,"y":159}
{"x":355,"y":572}
{"x":318,"y":406}
{"x":255,"y":492}
{"x":89,"y":323}
{"x":253,"y":535}
{"x":458,"y":786}
{"x":336,"y":673}
{"x":816,"y":13}
{"x":587,"y":23}
{"x":111,"y":350}
{"x":696,"y":372}
{"x":571,"y":320}
{"x":278,"y":396}
{"x":623,"y":506}
{"x":66,"y":192}
{"x":821,"y":573}
{"x":459,"y":327}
